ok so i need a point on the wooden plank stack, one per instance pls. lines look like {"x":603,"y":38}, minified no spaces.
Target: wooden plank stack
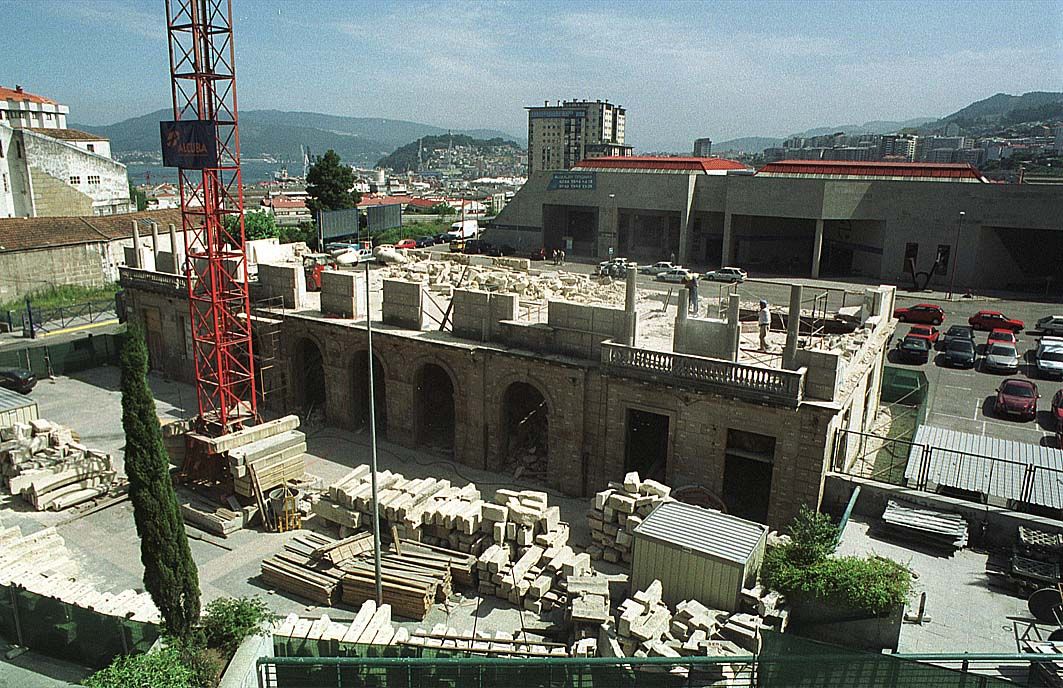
{"x":300,"y":637}
{"x":213,"y":518}
{"x":500,"y":644}
{"x":50,"y":468}
{"x":925,"y":526}
{"x":617,"y":511}
{"x":295,"y":570}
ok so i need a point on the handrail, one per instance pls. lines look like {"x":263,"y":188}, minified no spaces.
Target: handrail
{"x":151,"y":280}
{"x":727,"y":377}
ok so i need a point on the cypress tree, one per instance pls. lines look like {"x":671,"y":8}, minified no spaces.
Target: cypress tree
{"x":170,"y":575}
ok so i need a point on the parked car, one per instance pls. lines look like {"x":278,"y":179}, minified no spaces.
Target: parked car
{"x":1051,"y":325}
{"x":913,"y":349}
{"x":1000,"y":335}
{"x":354,"y":256}
{"x":959,"y":353}
{"x":457,"y":245}
{"x":18,"y":379}
{"x":407,"y":244}
{"x":955,"y":332}
{"x":612,"y":266}
{"x":926,"y":313}
{"x":426,"y":241}
{"x":1049,"y":357}
{"x":928,"y":332}
{"x":539,"y":254}
{"x":676,"y":275}
{"x":656,"y":268}
{"x":726,"y":275}
{"x":992,"y":320}
{"x":1017,"y":397}
{"x":1001,"y":358}
{"x":443,"y":238}
{"x":1057,"y":413}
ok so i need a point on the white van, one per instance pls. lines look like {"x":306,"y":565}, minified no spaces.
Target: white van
{"x":464,"y":229}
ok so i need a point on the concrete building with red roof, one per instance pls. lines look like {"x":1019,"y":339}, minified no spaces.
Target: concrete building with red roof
{"x":875,"y":221}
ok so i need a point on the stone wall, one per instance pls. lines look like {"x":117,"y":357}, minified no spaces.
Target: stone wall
{"x":710,"y":337}
{"x":403,"y":304}
{"x":53,"y":197}
{"x":343,"y":294}
{"x":283,"y":280}
{"x":478,"y":314}
{"x":26,"y":271}
{"x":61,"y":161}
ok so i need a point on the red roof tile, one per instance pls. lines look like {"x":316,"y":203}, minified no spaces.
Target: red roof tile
{"x":28,"y":233}
{"x":913,"y":170}
{"x":651,"y":162}
{"x":12,"y":94}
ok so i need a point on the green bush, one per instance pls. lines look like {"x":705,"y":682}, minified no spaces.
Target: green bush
{"x":228,"y":621}
{"x":162,"y":669}
{"x":205,"y":663}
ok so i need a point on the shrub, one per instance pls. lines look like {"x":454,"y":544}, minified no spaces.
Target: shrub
{"x":228,"y":621}
{"x":162,"y":669}
{"x":814,"y":536}
{"x":205,"y":663}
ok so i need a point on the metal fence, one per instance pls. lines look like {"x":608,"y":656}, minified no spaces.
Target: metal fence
{"x":785,"y":661}
{"x":67,"y":632}
{"x":36,"y":321}
{"x":66,"y":357}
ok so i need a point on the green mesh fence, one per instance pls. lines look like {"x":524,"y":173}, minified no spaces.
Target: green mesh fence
{"x":68,"y":632}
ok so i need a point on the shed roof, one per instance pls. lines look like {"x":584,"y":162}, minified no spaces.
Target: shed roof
{"x":1006,"y":469}
{"x":839,"y":169}
{"x":707,"y":531}
{"x":9,"y":401}
{"x":656,"y":163}
{"x":28,"y":233}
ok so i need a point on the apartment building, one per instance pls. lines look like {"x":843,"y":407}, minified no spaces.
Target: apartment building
{"x":561,"y":135}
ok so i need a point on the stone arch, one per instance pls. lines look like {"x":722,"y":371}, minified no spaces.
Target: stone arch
{"x":525,"y":438}
{"x":360,"y":390}
{"x":435,"y":406}
{"x":308,"y":375}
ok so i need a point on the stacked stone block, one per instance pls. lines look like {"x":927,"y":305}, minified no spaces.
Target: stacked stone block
{"x":403,"y":304}
{"x":618,"y":510}
{"x":342,"y":294}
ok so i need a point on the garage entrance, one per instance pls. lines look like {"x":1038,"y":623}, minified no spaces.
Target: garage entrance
{"x":646,"y":444}
{"x":435,"y":408}
{"x":774,"y":245}
{"x":361,"y":393}
{"x":525,"y":446}
{"x":578,"y":223}
{"x":748,"y":462}
{"x":309,"y":377}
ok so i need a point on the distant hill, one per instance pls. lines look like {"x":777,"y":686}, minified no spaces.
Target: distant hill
{"x":748,"y":144}
{"x":1003,"y":109}
{"x":278,"y":134}
{"x":405,"y":158}
{"x":873,"y":127}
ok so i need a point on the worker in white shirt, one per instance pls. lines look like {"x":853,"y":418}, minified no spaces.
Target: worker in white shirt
{"x":764,"y":320}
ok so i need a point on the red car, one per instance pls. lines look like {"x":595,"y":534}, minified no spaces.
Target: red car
{"x":926,"y":313}
{"x":1003,"y":336}
{"x":927,"y":332}
{"x":1017,"y":397}
{"x":994,"y":320}
{"x":407,"y":243}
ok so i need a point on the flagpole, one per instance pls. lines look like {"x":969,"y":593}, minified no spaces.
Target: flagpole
{"x":372,"y":435}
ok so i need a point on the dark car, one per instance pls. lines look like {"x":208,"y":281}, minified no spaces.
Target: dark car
{"x":18,"y":379}
{"x":993,"y":320}
{"x":959,"y":353}
{"x":914,"y":349}
{"x":479,"y":247}
{"x":426,"y":241}
{"x":925,"y":313}
{"x":443,"y":238}
{"x":957,"y":332}
{"x":1017,"y":397}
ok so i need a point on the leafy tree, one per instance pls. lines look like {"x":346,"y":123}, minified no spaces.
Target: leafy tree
{"x":260,"y":225}
{"x":443,"y":209}
{"x":329,"y":184}
{"x":170,"y":575}
{"x":138,"y":196}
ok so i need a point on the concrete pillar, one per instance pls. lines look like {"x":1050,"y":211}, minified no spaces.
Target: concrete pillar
{"x":630,"y":317}
{"x":684,"y":306}
{"x":155,"y":242}
{"x":733,"y":324}
{"x":136,"y":244}
{"x":793,"y":328}
{"x":817,"y":248}
{"x":685,"y":238}
{"x":608,"y":217}
{"x":728,"y":241}
{"x":175,"y":250}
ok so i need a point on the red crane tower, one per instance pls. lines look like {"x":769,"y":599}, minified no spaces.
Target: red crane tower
{"x":205,"y":138}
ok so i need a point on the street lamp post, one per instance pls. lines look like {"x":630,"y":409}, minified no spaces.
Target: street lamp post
{"x":955,"y":254}
{"x":372,"y":440}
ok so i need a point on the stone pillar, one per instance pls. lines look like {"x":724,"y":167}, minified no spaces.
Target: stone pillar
{"x":685,"y":239}
{"x":630,"y":317}
{"x":155,"y":242}
{"x":175,"y":250}
{"x":608,"y":217}
{"x":136,"y":244}
{"x":684,"y":306}
{"x":728,"y":241}
{"x":793,"y":328}
{"x":817,"y":248}
{"x":733,"y":324}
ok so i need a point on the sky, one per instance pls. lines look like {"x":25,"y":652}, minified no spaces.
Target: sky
{"x":681,"y":69}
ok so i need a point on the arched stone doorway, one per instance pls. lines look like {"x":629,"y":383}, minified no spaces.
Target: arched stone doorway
{"x":435,"y":407}
{"x":525,"y":440}
{"x":360,"y":378}
{"x":309,"y":372}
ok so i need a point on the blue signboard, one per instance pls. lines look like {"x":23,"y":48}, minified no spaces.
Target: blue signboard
{"x":338,"y":223}
{"x":572,"y":181}
{"x":190,"y":144}
{"x":383,"y":217}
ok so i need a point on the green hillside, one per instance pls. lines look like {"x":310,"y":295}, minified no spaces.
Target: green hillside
{"x":405,"y":158}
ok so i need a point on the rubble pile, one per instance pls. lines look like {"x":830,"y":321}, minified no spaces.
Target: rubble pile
{"x":50,"y":468}
{"x":618,"y":510}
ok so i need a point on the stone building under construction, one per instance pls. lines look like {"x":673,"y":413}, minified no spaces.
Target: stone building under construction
{"x":561,"y":378}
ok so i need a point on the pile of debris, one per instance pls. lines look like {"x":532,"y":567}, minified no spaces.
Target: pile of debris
{"x":925,"y":526}
{"x":618,"y":510}
{"x":50,"y":468}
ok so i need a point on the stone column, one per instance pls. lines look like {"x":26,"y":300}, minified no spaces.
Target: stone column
{"x":136,"y":244}
{"x":685,"y":239}
{"x":733,"y":324}
{"x":817,"y":248}
{"x":175,"y":250}
{"x":607,"y":228}
{"x":728,"y":241}
{"x":793,"y":328}
{"x":630,"y":317}
{"x":155,"y":243}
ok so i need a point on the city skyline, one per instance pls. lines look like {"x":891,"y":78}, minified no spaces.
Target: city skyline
{"x":721,"y":70}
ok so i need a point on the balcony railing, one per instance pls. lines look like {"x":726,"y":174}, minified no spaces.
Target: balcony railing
{"x":149,"y":280}
{"x":723,"y":377}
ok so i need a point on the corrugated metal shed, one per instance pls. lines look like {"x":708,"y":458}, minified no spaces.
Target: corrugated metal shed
{"x":997,"y":468}
{"x":16,"y":408}
{"x":697,"y":554}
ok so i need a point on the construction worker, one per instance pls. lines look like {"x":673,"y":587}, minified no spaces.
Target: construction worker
{"x":764,"y":321}
{"x":692,"y":287}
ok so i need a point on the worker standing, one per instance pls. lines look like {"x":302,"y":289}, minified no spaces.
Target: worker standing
{"x":764,"y":321}
{"x":692,"y":287}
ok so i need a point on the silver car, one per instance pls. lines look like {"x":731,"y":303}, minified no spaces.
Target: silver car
{"x":657,"y":268}
{"x":728,"y":274}
{"x":1051,"y":325}
{"x":677,"y":275}
{"x":1001,"y":358}
{"x":1050,"y":357}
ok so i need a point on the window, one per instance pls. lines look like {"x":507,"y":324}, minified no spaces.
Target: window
{"x":6,"y":188}
{"x":75,"y":180}
{"x":91,"y":147}
{"x":911,"y":254}
{"x":94,"y":180}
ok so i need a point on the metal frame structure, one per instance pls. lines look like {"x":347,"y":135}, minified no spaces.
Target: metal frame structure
{"x":203,"y":85}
